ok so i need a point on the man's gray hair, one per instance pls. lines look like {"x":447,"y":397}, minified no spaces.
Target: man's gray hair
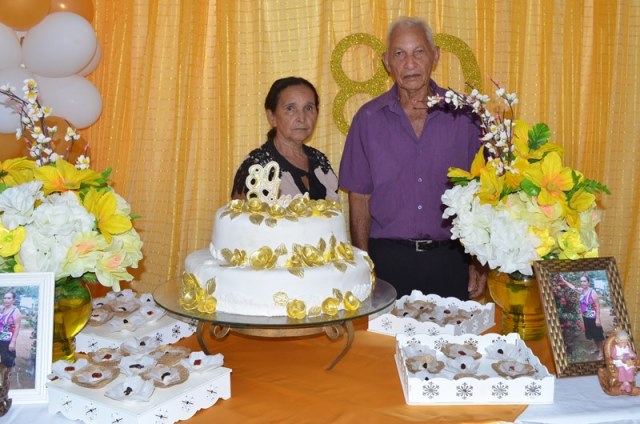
{"x":407,"y":22}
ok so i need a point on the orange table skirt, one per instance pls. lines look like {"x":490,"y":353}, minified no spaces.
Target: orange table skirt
{"x":284,"y":380}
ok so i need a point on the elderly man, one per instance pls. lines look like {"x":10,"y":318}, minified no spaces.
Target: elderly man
{"x":394,"y":166}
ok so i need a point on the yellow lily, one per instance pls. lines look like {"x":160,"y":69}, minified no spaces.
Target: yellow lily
{"x":521,"y":142}
{"x":552,"y":178}
{"x":64,"y":177}
{"x":477,"y":166}
{"x":581,"y":200}
{"x":102,"y":204}
{"x":491,"y":186}
{"x":16,"y":171}
{"x":11,"y":240}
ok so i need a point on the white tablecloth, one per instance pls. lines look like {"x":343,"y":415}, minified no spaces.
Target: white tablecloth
{"x":580,"y":400}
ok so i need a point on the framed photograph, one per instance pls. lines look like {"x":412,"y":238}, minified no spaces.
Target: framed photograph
{"x":583,"y":303}
{"x":26,"y":333}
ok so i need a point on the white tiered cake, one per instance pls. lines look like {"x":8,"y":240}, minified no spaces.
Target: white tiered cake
{"x":276,"y":257}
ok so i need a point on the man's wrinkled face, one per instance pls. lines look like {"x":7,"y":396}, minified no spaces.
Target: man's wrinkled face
{"x":409,"y":58}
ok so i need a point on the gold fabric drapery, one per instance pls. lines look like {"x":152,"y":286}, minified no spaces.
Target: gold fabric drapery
{"x":183,"y":86}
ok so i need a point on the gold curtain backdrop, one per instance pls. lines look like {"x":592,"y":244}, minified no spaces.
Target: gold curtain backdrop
{"x":183,"y":86}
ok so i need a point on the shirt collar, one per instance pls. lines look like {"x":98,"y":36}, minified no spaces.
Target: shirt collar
{"x":390,"y":98}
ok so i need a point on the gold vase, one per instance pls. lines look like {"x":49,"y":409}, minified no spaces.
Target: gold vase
{"x":72,"y":310}
{"x":518,"y":296}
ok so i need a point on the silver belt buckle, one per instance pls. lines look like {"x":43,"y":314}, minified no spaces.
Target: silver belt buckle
{"x":423,"y":245}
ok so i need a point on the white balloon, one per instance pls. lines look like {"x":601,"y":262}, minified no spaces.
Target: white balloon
{"x":10,"y":51}
{"x":60,"y":45}
{"x":9,"y":117}
{"x":73,"y":98}
{"x":92,"y":63}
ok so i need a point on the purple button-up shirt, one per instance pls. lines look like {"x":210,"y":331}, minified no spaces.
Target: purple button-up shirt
{"x":406,"y":175}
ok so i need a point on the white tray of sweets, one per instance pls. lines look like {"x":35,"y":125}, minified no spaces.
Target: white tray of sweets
{"x":471,"y":370}
{"x":431,"y":314}
{"x":136,"y":385}
{"x":119,"y":316}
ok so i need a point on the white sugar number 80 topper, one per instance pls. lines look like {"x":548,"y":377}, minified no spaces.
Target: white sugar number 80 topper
{"x":263,"y":182}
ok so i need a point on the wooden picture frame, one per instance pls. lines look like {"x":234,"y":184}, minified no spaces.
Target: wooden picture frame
{"x":33,"y":299}
{"x":565,"y":296}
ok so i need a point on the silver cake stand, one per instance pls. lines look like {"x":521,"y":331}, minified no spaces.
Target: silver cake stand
{"x":220,"y":324}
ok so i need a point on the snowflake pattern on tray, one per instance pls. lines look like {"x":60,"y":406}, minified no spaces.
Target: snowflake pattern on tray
{"x":533,"y":390}
{"x":430,"y":390}
{"x":493,"y":389}
{"x":386,"y":324}
{"x":409,"y":329}
{"x":500,"y":390}
{"x":464,"y":391}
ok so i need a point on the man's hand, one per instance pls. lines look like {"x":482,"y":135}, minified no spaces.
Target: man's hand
{"x":477,"y":279}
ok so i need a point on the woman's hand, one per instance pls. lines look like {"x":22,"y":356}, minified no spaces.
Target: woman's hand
{"x":12,"y":345}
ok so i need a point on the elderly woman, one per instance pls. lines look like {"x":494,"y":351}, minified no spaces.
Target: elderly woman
{"x":624,"y":358}
{"x":10,"y":319}
{"x":292,"y":110}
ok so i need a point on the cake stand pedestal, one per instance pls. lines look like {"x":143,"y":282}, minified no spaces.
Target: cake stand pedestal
{"x":220,"y":324}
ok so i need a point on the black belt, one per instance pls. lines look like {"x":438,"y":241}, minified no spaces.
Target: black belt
{"x":422,"y":245}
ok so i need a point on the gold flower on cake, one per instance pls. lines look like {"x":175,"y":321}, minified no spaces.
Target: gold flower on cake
{"x":263,"y":258}
{"x":190,"y":292}
{"x":296,"y":309}
{"x":194,"y":297}
{"x":235,"y":257}
{"x":351,"y":302}
{"x":263,"y":212}
{"x":331,"y":306}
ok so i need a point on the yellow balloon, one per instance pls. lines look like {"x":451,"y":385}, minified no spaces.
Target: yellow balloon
{"x":83,"y":8}
{"x":23,"y":14}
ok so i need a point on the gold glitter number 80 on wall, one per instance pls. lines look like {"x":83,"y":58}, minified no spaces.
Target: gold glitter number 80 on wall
{"x":376,"y":84}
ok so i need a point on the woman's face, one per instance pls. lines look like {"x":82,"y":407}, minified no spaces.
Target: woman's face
{"x":7,"y":299}
{"x":296,"y":114}
{"x":584,"y":282}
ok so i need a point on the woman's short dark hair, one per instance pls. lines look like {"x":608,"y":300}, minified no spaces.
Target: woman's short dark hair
{"x":271,"y":101}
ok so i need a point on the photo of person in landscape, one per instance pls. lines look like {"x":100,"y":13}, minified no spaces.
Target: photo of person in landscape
{"x":18,"y":324}
{"x":585,"y":312}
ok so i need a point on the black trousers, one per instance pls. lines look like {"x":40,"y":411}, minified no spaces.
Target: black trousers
{"x":442,"y":270}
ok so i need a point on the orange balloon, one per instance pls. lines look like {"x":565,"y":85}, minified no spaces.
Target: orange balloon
{"x":83,"y":8}
{"x":23,"y":14}
{"x":12,"y":148}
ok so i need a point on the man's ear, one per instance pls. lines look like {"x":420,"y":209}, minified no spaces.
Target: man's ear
{"x":385,"y":60}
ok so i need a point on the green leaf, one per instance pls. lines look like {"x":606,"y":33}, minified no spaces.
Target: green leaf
{"x":539,"y":135}
{"x":529,"y":187}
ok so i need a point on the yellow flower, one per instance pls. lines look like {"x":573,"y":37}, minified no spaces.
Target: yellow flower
{"x":83,"y":254}
{"x":571,"y":245}
{"x":331,"y":306}
{"x":277,"y":211}
{"x":263,"y":258}
{"x":351,"y":303}
{"x":547,"y":242}
{"x":190,"y":292}
{"x":64,"y":177}
{"x":491,"y":186}
{"x":207,"y":304}
{"x":582,"y":200}
{"x":521,"y":142}
{"x":296,"y":309}
{"x":102,"y":204}
{"x":552,"y":178}
{"x":16,"y":171}
{"x":111,"y":269}
{"x":10,"y":241}
{"x":131,"y":245}
{"x":477,"y":165}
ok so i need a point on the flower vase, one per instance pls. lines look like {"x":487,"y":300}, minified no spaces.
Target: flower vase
{"x":518,"y":296}
{"x":72,"y":311}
